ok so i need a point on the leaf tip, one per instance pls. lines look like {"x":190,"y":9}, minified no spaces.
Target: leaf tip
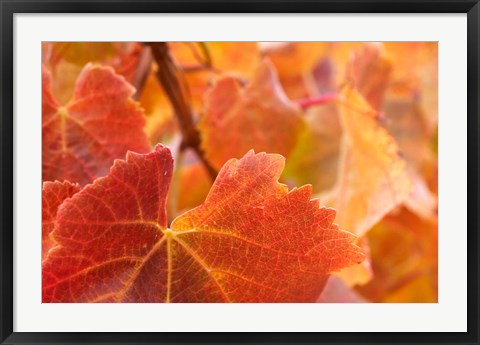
{"x":160,"y":148}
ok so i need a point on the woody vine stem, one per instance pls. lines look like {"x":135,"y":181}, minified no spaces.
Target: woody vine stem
{"x":167,"y":75}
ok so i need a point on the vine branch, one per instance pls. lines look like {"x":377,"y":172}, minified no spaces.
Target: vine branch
{"x":167,"y":76}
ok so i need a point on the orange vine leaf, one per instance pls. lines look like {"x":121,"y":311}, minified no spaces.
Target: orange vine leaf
{"x":369,"y":71}
{"x":252,"y":240}
{"x":296,"y":58}
{"x":404,"y":251}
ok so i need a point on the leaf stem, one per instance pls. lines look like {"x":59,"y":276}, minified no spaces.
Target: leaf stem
{"x":167,"y":76}
{"x":306,"y":103}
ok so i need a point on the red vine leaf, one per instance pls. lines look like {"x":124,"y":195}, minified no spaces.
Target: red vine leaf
{"x":99,"y":124}
{"x":258,"y":116}
{"x":53,"y":195}
{"x":251,"y":241}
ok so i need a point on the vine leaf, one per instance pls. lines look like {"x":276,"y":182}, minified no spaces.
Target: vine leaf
{"x":252,"y":240}
{"x":404,"y":254}
{"x":373,"y":178}
{"x":258,"y":116}
{"x":99,"y":124}
{"x":369,"y":70}
{"x":296,"y":58}
{"x":315,"y":157}
{"x":296,"y":63}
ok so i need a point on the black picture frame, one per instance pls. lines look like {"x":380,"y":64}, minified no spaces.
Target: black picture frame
{"x":9,"y":7}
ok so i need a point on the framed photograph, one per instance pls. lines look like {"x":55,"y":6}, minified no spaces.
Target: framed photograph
{"x":239,"y":172}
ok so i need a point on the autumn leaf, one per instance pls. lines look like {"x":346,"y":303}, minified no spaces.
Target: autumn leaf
{"x":258,"y":116}
{"x":340,"y":55}
{"x":405,"y":120}
{"x":100,"y":123}
{"x":295,"y":63}
{"x":369,"y":72}
{"x":315,"y":158}
{"x":296,"y":58}
{"x":53,"y":195}
{"x":252,"y":240}
{"x":415,"y":74}
{"x":373,"y":178}
{"x":404,"y":252}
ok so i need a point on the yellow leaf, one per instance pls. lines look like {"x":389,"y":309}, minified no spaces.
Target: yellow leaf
{"x":373,"y":178}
